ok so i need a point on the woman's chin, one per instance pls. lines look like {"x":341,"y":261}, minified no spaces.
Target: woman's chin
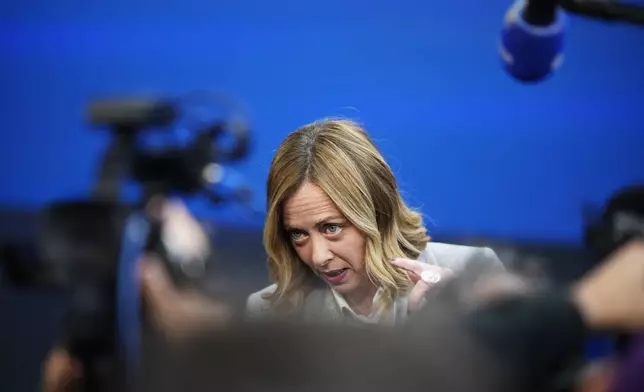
{"x":349,"y":285}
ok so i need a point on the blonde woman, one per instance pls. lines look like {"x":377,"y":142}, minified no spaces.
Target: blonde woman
{"x":342,"y":244}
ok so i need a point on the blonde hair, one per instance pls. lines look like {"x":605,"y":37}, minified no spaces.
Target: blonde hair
{"x":339,"y":157}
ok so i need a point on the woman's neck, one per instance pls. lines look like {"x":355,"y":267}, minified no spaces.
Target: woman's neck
{"x":361,"y":301}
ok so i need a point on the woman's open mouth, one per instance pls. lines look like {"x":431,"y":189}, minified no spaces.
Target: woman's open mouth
{"x":336,"y":276}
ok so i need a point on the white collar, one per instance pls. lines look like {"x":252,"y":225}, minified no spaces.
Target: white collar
{"x":378,"y":315}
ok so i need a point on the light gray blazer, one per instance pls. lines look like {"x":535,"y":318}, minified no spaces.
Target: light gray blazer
{"x":321,"y":306}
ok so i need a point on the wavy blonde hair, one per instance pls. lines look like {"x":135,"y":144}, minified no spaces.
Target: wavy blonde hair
{"x":339,"y":157}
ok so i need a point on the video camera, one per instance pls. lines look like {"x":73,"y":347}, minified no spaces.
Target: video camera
{"x":91,"y":245}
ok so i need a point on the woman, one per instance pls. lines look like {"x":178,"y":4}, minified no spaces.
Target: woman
{"x":341,"y":242}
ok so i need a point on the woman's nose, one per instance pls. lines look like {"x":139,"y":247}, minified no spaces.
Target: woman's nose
{"x":321,"y":254}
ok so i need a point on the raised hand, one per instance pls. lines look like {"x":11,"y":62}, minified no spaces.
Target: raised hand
{"x":424,"y":276}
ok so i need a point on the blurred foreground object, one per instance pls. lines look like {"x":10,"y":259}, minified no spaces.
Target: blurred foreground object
{"x":167,"y":147}
{"x":532,"y":36}
{"x":469,"y":339}
{"x":621,"y":220}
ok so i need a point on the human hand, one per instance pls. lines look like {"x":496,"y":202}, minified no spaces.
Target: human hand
{"x":612,"y":295}
{"x":424,"y":276}
{"x":178,"y":314}
{"x":60,"y":371}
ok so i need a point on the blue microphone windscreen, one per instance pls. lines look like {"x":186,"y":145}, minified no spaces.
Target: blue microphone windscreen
{"x":530,"y":53}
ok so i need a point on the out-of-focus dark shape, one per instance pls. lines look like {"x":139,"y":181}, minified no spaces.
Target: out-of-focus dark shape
{"x":629,"y":377}
{"x":82,"y":242}
{"x":621,"y":220}
{"x":288,"y":357}
{"x":184,"y":162}
{"x":134,"y":114}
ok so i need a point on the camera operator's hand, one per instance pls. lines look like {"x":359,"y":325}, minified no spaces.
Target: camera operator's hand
{"x":612,"y":295}
{"x":175,"y":313}
{"x":178,"y":313}
{"x":60,"y":371}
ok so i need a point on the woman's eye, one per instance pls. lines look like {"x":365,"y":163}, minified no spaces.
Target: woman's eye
{"x":333,"y":229}
{"x":296,"y":235}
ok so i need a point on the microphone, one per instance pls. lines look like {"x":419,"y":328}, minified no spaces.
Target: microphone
{"x":532,"y":39}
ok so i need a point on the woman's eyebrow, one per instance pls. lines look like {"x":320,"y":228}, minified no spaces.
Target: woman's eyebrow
{"x":328,"y":218}
{"x":289,"y":226}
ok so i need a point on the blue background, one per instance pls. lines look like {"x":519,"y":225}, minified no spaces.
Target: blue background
{"x":478,"y":152}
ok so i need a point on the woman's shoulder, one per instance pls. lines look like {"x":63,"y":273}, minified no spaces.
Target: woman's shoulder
{"x":458,"y":257}
{"x":258,"y":303}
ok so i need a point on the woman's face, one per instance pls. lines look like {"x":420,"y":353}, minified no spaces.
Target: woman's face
{"x":325,"y":240}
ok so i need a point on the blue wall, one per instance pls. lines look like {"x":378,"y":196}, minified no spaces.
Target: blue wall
{"x":478,"y":152}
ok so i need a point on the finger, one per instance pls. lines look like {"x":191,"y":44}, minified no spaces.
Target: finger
{"x":155,"y":281}
{"x":417,"y":296}
{"x":414,"y":277}
{"x":410,"y":265}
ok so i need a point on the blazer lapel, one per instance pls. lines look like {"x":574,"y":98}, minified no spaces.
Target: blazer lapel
{"x":320,"y":306}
